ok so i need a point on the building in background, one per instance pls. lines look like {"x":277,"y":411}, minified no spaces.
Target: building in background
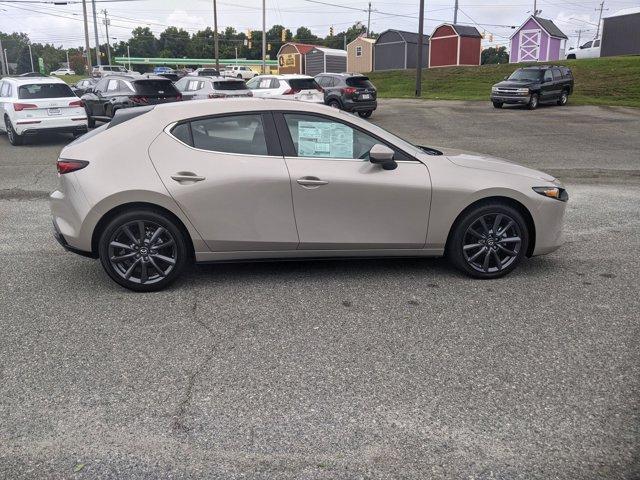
{"x":291,"y":57}
{"x":329,"y":60}
{"x":397,"y":49}
{"x":452,"y":45}
{"x":621,"y":33}
{"x":537,"y":40}
{"x":360,"y":55}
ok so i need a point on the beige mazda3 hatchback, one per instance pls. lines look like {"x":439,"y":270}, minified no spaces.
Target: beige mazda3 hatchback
{"x":204,"y":181}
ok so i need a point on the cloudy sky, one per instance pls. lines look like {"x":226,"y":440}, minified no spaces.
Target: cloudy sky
{"x":62,"y":24}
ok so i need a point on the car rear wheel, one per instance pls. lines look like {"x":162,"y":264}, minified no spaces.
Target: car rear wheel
{"x":334,"y":104}
{"x":366,"y":114}
{"x":239,"y":76}
{"x":564,"y":98}
{"x":14,"y":138}
{"x":533,"y":101}
{"x":143,"y":250}
{"x":497,"y":104}
{"x":489,"y":241}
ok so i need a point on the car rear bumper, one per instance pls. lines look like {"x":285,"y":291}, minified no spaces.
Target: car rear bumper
{"x":513,"y":99}
{"x":34,"y":126}
{"x":360,"y":106}
{"x":69,"y":209}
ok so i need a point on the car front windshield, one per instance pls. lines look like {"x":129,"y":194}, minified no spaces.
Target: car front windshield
{"x":525,"y":75}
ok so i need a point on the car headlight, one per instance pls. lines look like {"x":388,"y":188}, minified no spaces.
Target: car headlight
{"x":494,"y":89}
{"x":553,"y":192}
{"x":522,"y":90}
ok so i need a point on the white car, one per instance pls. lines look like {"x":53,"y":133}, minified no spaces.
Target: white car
{"x":289,"y":87}
{"x":30,"y":106}
{"x":62,"y":71}
{"x":590,"y":49}
{"x":238,"y":71}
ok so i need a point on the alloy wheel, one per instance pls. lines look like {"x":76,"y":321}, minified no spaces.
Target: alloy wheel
{"x":9,"y":129}
{"x":142,"y":252}
{"x":492,"y":243}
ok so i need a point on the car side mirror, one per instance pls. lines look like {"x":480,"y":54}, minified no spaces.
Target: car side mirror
{"x":382,"y":155}
{"x":88,"y":90}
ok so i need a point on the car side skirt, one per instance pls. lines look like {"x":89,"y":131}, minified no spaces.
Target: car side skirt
{"x":238,"y":256}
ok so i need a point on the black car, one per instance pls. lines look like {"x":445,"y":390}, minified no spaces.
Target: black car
{"x":174,"y":77}
{"x":81,"y":86}
{"x":349,"y":91}
{"x":121,"y":91}
{"x":531,"y":86}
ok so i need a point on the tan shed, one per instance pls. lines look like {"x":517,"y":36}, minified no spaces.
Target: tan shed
{"x":291,"y":58}
{"x":360,"y":55}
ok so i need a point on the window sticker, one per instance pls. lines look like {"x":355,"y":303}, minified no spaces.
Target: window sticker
{"x":265,"y":83}
{"x":324,"y":139}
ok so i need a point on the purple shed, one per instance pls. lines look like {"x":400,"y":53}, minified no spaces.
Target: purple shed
{"x":537,"y":40}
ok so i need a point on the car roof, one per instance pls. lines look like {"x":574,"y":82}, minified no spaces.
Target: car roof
{"x":32,"y":80}
{"x":343,"y":74}
{"x":135,"y":78}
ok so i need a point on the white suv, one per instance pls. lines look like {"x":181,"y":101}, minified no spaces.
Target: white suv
{"x":29,"y":106}
{"x":238,"y":72}
{"x":62,"y":71}
{"x":288,"y":87}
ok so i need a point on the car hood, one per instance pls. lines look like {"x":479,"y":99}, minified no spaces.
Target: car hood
{"x":513,"y":84}
{"x":493,"y":164}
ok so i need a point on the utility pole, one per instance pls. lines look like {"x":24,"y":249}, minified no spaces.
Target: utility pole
{"x":129,"y":56}
{"x":264,"y":36}
{"x":2,"y":67}
{"x":455,"y":13}
{"x":579,"y":32}
{"x":368,"y":20}
{"x":31,"y":57}
{"x":535,"y":8}
{"x":95,"y":31}
{"x":107,"y":22}
{"x":86,"y":37}
{"x":215,"y":34}
{"x":420,"y":42}
{"x":6,"y":61}
{"x":601,"y":8}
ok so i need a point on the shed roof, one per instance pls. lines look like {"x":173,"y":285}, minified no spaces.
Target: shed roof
{"x":466,"y":31}
{"x":409,"y":37}
{"x":332,"y":51}
{"x":550,"y":27}
{"x":303,"y":48}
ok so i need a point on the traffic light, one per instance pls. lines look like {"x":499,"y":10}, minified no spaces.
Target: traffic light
{"x":283,"y":35}
{"x":268,"y":46}
{"x":331,"y":31}
{"x":491,"y":37}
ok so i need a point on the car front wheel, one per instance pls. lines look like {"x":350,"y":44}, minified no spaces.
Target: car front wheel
{"x":365,"y":114}
{"x":143,"y":250}
{"x":497,"y":104}
{"x":533,"y":101}
{"x":489,"y":241}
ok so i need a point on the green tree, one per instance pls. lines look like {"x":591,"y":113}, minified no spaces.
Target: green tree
{"x":174,"y":42}
{"x":304,"y":35}
{"x":143,"y":43}
{"x":493,"y":55}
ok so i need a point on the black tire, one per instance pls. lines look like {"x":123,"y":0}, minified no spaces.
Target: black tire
{"x":497,"y":104}
{"x":14,"y":138}
{"x":365,"y":114}
{"x":334,"y":104}
{"x":239,"y":76}
{"x":571,"y":56}
{"x":91,"y":122}
{"x":175,"y":250}
{"x":564,"y":98}
{"x":534,"y":100}
{"x":460,"y":249}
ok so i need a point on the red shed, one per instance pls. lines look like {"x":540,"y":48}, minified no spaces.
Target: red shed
{"x":452,"y":45}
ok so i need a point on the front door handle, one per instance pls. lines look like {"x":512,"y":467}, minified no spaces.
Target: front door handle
{"x":187,"y":177}
{"x":311,"y":182}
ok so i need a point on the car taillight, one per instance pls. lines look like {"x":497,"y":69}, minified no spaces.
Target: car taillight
{"x":349,"y":90}
{"x":76,"y":103}
{"x":179,"y":97}
{"x":18,"y":107}
{"x":68,"y":166}
{"x":140,"y":100}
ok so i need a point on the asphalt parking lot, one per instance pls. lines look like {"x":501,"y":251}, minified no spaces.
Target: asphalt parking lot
{"x":338,"y":370}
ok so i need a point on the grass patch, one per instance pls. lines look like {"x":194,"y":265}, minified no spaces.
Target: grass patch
{"x":598,"y":81}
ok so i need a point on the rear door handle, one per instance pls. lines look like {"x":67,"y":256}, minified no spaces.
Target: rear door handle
{"x":311,"y":182}
{"x":187,"y":177}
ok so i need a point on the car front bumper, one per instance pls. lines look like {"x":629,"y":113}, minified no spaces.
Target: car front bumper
{"x":510,"y":99}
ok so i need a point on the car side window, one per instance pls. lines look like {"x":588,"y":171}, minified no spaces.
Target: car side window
{"x":275,"y":83}
{"x":112,"y":86}
{"x":556,"y":74}
{"x":596,"y":43}
{"x":4,"y":89}
{"x":587,"y":45}
{"x":321,"y":137}
{"x":125,"y":86}
{"x":101,"y":85}
{"x":548,"y":76}
{"x":238,"y":134}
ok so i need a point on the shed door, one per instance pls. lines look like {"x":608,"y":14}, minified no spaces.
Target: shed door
{"x":529,"y":50}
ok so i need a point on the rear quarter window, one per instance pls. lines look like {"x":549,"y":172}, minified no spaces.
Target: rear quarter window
{"x":35,"y":91}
